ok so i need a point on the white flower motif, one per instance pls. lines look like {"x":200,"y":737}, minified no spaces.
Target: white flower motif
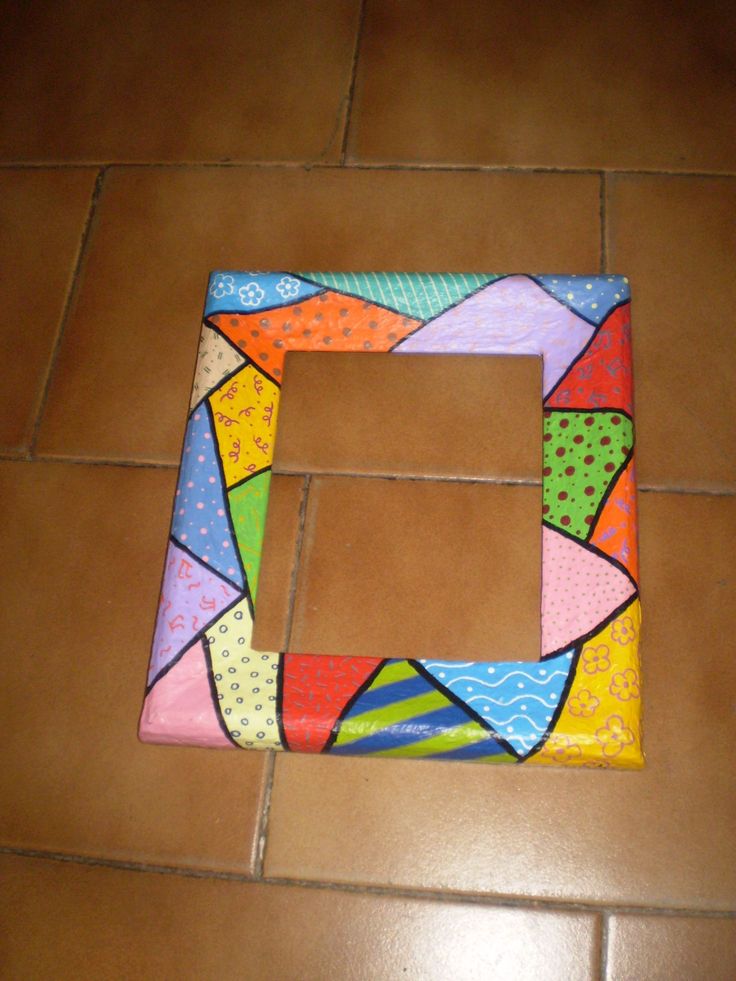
{"x":251,"y":295}
{"x":288,"y":287}
{"x":222,"y":286}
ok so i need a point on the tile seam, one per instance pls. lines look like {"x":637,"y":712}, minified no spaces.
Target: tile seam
{"x":450,"y":896}
{"x":69,"y":300}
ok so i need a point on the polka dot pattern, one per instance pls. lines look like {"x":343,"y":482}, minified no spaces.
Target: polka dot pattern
{"x":200,"y":510}
{"x":582,"y":453}
{"x":592,"y":297}
{"x":579,"y":591}
{"x":326,"y":322}
{"x":245,"y":681}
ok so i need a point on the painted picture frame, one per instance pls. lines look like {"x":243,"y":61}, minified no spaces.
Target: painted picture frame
{"x":579,"y":705}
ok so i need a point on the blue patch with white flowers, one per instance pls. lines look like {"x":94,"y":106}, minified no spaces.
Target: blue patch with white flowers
{"x":251,"y":291}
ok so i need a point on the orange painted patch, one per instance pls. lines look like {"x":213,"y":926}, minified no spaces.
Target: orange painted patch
{"x":327,"y":322}
{"x":615,"y":530}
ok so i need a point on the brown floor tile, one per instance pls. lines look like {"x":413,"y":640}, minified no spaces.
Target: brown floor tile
{"x":241,"y":81}
{"x":674,"y":237}
{"x":71,"y":921}
{"x":670,"y":948}
{"x":409,"y":568}
{"x":42,"y":214}
{"x":506,"y":84}
{"x":125,"y":368}
{"x":663,"y":835}
{"x":278,"y":557}
{"x":417,"y":415}
{"x":83,"y":554}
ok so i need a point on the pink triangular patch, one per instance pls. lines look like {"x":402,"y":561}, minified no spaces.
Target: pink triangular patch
{"x":180,"y":709}
{"x":579,"y":590}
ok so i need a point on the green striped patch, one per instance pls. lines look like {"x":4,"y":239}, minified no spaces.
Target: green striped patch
{"x":419,"y":295}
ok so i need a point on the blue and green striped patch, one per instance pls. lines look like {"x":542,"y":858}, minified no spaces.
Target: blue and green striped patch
{"x":403,"y":714}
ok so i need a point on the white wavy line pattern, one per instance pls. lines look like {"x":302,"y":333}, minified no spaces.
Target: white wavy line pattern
{"x":537,"y":705}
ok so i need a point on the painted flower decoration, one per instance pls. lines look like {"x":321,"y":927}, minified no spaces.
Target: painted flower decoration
{"x":584,"y":703}
{"x":614,"y":736}
{"x":623,"y":631}
{"x":251,"y":295}
{"x":222,"y":286}
{"x":288,"y":287}
{"x":561,"y":748}
{"x":625,"y":685}
{"x":596,"y":659}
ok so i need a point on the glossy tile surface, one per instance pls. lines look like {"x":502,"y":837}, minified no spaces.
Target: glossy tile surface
{"x":658,"y":836}
{"x":82,"y":922}
{"x":160,"y":231}
{"x":414,"y":415}
{"x":385,"y":570}
{"x":675,"y":238}
{"x":501,"y":84}
{"x":83,"y":561}
{"x":237,"y":81}
{"x":439,"y":90}
{"x":677,"y":948}
{"x":42,"y":216}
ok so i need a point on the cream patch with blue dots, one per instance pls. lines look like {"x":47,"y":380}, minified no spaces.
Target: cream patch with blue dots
{"x":245,"y":680}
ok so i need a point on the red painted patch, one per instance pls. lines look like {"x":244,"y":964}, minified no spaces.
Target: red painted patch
{"x":602,"y":377}
{"x":316,"y":689}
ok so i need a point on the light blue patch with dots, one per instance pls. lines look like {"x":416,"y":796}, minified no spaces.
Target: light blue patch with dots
{"x":247,"y":292}
{"x":592,"y":297}
{"x":517,"y":698}
{"x":200,"y":509}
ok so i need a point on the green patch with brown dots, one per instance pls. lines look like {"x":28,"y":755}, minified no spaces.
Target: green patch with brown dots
{"x":583,"y":454}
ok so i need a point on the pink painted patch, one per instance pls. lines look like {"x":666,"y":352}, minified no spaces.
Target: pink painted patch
{"x":579,"y":591}
{"x":179,"y":710}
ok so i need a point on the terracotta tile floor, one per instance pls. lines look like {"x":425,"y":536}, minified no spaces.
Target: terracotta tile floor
{"x":349,"y":134}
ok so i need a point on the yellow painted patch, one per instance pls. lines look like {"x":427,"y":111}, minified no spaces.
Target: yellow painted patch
{"x":246,"y":680}
{"x":599,"y":725}
{"x":245,"y":408}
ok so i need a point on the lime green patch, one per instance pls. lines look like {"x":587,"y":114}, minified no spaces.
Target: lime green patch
{"x":583,"y":454}
{"x":248,"y":504}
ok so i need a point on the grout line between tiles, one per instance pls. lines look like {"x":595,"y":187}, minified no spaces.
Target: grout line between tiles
{"x":297,"y":558}
{"x":87,"y":462}
{"x":696,"y":491}
{"x":355,"y":165}
{"x":604,"y":946}
{"x":153,"y":465}
{"x":427,"y":478}
{"x":66,"y":311}
{"x":265,"y":812}
{"x":603,"y":224}
{"x":432,"y":895}
{"x":351,"y":88}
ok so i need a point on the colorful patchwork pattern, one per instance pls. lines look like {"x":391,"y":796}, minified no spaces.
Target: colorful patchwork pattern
{"x":580,"y":704}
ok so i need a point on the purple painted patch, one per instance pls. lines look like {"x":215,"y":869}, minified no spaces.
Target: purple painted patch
{"x":511,"y":316}
{"x":191,"y":597}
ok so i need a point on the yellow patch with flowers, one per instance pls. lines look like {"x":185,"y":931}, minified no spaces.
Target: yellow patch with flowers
{"x":599,"y":723}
